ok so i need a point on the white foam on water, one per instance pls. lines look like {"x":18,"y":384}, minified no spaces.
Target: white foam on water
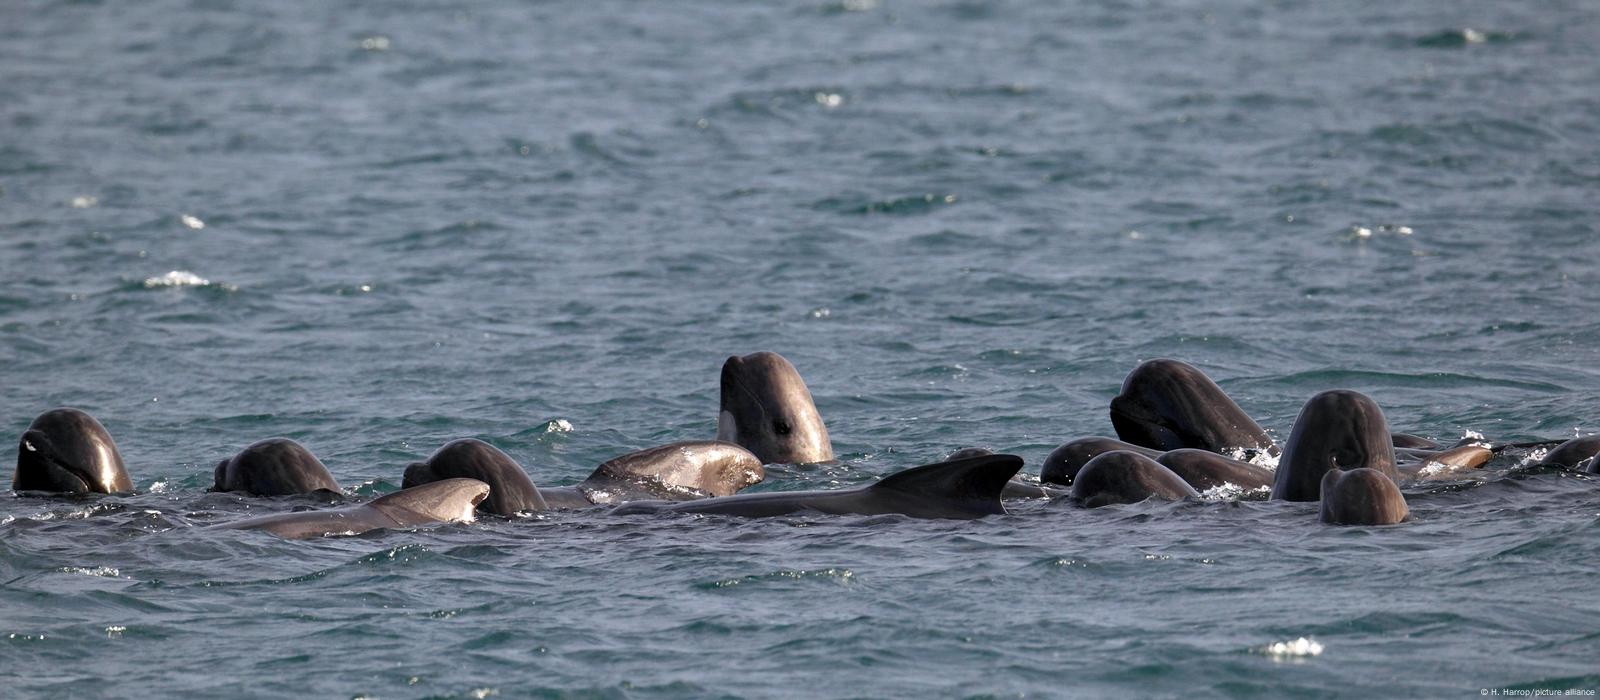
{"x":1433,"y":469}
{"x":1234,"y":492}
{"x":1534,"y":457}
{"x":1292,"y":648}
{"x":177,"y":278}
{"x":559,"y":425}
{"x":102,"y":571}
{"x":192,"y":221}
{"x":1261,"y":458}
{"x":84,"y":201}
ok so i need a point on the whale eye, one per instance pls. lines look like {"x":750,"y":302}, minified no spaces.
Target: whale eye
{"x":781,"y":427}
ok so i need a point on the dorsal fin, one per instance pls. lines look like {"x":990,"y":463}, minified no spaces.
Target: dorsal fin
{"x":970,"y":483}
{"x":448,"y":499}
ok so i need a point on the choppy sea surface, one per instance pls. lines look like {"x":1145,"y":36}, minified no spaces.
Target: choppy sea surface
{"x":378,"y":226}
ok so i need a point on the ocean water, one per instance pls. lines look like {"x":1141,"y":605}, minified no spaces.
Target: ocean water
{"x":375,"y":227}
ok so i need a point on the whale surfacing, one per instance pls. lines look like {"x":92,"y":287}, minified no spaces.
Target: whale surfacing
{"x":1168,"y":404}
{"x":767,"y":409}
{"x":66,"y":450}
{"x":450,"y":500}
{"x":963,"y":489}
{"x":273,"y":467}
{"x":1361,"y":497}
{"x":511,"y":492}
{"x":1336,"y":429}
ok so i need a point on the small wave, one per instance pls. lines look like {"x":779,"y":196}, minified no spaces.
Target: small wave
{"x":840,"y":576}
{"x":1466,"y":36}
{"x":912,"y":204}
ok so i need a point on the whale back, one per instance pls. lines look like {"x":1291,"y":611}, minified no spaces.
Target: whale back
{"x":958,"y":489}
{"x":1122,"y":476}
{"x":274,"y":467}
{"x":1064,"y":462}
{"x":511,"y":492}
{"x":678,"y":471}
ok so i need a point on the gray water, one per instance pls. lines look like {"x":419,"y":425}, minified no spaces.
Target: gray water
{"x":375,"y":227}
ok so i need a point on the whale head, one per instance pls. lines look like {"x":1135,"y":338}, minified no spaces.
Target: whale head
{"x":1338,"y":429}
{"x":1361,"y":497}
{"x":67,"y":451}
{"x":767,"y":408}
{"x":1168,"y":404}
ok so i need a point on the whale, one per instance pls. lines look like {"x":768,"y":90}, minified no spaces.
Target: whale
{"x":511,"y":491}
{"x":1362,"y":496}
{"x":273,"y":467}
{"x":1017,"y":487}
{"x":450,"y":500}
{"x":1122,"y":476}
{"x":65,"y":450}
{"x":1335,"y":429}
{"x":1441,"y":464}
{"x":960,"y":489}
{"x":1413,"y":442}
{"x":678,"y":471}
{"x":1573,"y":453}
{"x":1064,"y":462}
{"x":1204,"y":469}
{"x":767,"y":409}
{"x":1166,"y":404}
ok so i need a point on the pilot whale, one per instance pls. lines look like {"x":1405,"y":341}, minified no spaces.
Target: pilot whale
{"x":1204,"y":469}
{"x":511,"y":491}
{"x":273,"y":467}
{"x":66,"y":450}
{"x":965,"y":489}
{"x":1361,"y":497}
{"x":1064,"y":462}
{"x":1127,"y":477}
{"x":1018,"y":487}
{"x":767,"y":409}
{"x":1167,"y":405}
{"x":450,"y":500}
{"x":678,"y":471}
{"x":1336,"y":429}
